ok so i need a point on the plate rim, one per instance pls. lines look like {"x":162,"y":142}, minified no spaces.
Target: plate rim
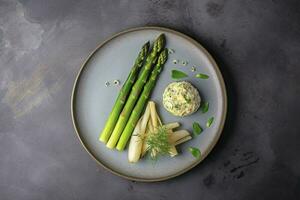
{"x":223,"y":91}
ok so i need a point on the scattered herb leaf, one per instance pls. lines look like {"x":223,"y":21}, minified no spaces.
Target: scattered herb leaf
{"x":176,"y":74}
{"x":209,"y":122}
{"x":205,"y":107}
{"x":197,"y":128}
{"x":202,"y":76}
{"x":195,"y":152}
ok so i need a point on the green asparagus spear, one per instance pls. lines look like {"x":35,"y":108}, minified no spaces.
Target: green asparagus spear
{"x":114,"y":115}
{"x":139,"y":107}
{"x":135,"y":92}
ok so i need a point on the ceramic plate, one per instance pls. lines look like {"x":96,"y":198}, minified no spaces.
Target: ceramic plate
{"x":92,"y":101}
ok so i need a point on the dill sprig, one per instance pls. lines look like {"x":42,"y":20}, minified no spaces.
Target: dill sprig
{"x":158,"y":143}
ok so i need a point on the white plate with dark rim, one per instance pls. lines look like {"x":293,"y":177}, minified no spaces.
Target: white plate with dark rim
{"x":92,"y":101}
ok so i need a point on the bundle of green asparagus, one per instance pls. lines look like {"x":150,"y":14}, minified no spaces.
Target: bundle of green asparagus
{"x":134,"y":95}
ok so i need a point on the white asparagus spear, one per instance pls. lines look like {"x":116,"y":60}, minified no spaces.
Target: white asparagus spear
{"x":153,"y":114}
{"x":173,"y":151}
{"x":150,"y":130}
{"x":172,"y":125}
{"x":177,"y":135}
{"x":187,"y":138}
{"x":151,"y":127}
{"x":175,"y":138}
{"x":158,"y":118}
{"x":136,"y":141}
{"x":133,"y":144}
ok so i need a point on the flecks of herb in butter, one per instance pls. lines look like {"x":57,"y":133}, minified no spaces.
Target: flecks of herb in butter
{"x":204,"y":107}
{"x":197,"y":128}
{"x":176,"y":74}
{"x":195,"y":152}
{"x":202,"y":76}
{"x":209,"y":122}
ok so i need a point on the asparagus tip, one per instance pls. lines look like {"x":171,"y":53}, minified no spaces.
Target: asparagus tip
{"x":159,"y":42}
{"x":163,"y":57}
{"x":147,"y":44}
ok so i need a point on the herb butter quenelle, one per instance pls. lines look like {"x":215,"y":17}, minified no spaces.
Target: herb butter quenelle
{"x":181,"y":98}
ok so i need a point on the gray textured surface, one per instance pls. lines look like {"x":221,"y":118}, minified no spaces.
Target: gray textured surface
{"x":256,"y":43}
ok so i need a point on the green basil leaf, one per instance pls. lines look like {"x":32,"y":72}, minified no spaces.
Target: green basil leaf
{"x":209,"y":122}
{"x":205,"y":107}
{"x":195,"y":152}
{"x":202,"y":76}
{"x":176,"y":74}
{"x":197,"y":128}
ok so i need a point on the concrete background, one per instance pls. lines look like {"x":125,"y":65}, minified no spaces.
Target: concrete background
{"x":256,"y":43}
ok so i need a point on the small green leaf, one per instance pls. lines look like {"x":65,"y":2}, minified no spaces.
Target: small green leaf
{"x":197,"y":128}
{"x":203,"y":76}
{"x":205,"y":107}
{"x":209,"y":122}
{"x":195,"y":152}
{"x":176,"y":74}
